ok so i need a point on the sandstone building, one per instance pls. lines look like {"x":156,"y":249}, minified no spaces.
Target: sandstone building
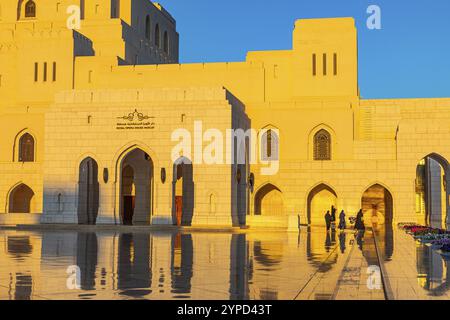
{"x":88,"y":116}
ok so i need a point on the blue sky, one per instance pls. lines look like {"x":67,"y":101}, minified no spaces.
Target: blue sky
{"x":409,"y":57}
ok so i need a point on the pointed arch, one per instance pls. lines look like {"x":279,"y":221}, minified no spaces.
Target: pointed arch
{"x":88,"y":192}
{"x":269,"y":201}
{"x":21,"y":199}
{"x":183,"y":192}
{"x":136,"y":187}
{"x":377,"y":205}
{"x":320,"y":199}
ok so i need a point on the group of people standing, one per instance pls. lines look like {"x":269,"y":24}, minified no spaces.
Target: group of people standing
{"x":330,"y":219}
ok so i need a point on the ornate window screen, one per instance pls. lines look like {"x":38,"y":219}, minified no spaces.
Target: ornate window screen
{"x":322,"y":145}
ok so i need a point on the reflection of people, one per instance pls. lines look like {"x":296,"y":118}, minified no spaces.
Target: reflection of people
{"x":359,"y":223}
{"x":342,"y":242}
{"x":359,"y":239}
{"x":328,"y":220}
{"x":342,"y":225}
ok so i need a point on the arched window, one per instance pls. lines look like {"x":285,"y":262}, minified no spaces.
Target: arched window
{"x":147,"y":28}
{"x":269,"y":145}
{"x":322,"y":145}
{"x":157,"y":39}
{"x":26,"y":148}
{"x":30,"y":9}
{"x":166,"y":42}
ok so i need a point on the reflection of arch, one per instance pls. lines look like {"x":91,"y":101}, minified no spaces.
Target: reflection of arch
{"x":183,"y":197}
{"x":320,"y":199}
{"x":269,"y":201}
{"x":268,"y":254}
{"x":432,"y":190}
{"x":377,"y":205}
{"x":21,"y":199}
{"x":136,"y":187}
{"x":88,"y":192}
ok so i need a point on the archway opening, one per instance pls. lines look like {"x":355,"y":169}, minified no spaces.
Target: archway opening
{"x":136,"y":192}
{"x":269,"y":201}
{"x":88,"y":192}
{"x":377,"y":206}
{"x":183,"y":192}
{"x":21,"y":199}
{"x":321,"y":199}
{"x":432,"y":191}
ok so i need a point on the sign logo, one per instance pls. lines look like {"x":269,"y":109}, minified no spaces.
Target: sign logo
{"x":135,"y":120}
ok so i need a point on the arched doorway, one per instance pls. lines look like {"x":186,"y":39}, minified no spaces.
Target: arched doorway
{"x":136,"y":192}
{"x":320,"y":200}
{"x":88,"y":192}
{"x":377,"y":206}
{"x":432,"y":191}
{"x":269,"y":201}
{"x":21,"y":199}
{"x":183,"y":192}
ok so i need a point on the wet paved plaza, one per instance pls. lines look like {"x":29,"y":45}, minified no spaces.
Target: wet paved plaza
{"x":312,"y":264}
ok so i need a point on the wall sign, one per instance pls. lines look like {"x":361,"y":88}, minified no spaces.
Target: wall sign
{"x":135,"y":121}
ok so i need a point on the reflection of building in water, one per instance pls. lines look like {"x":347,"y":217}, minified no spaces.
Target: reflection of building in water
{"x":20,"y":267}
{"x":182,"y":263}
{"x":433,"y":271}
{"x":87,"y":252}
{"x":318,"y":245}
{"x":134,"y":264}
{"x":238,"y":267}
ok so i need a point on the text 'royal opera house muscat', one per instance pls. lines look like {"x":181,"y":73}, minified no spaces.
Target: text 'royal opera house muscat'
{"x":89,"y":117}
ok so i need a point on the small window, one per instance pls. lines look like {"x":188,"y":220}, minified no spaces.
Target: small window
{"x":45,"y":72}
{"x":36,"y":70}
{"x":30,"y":9}
{"x":26,"y":148}
{"x":314,"y":65}
{"x":148,"y":28}
{"x":335,"y":64}
{"x":54,"y":72}
{"x":82,"y":9}
{"x":157,"y":39}
{"x":269,"y":146}
{"x":166,"y":42}
{"x":324,"y":64}
{"x":115,"y":9}
{"x":322,"y":145}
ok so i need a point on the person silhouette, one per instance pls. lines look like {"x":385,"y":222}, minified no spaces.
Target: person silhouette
{"x":328,"y":220}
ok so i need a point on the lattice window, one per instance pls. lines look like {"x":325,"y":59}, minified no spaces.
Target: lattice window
{"x":26,"y":148}
{"x":322,"y":145}
{"x":30,"y":9}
